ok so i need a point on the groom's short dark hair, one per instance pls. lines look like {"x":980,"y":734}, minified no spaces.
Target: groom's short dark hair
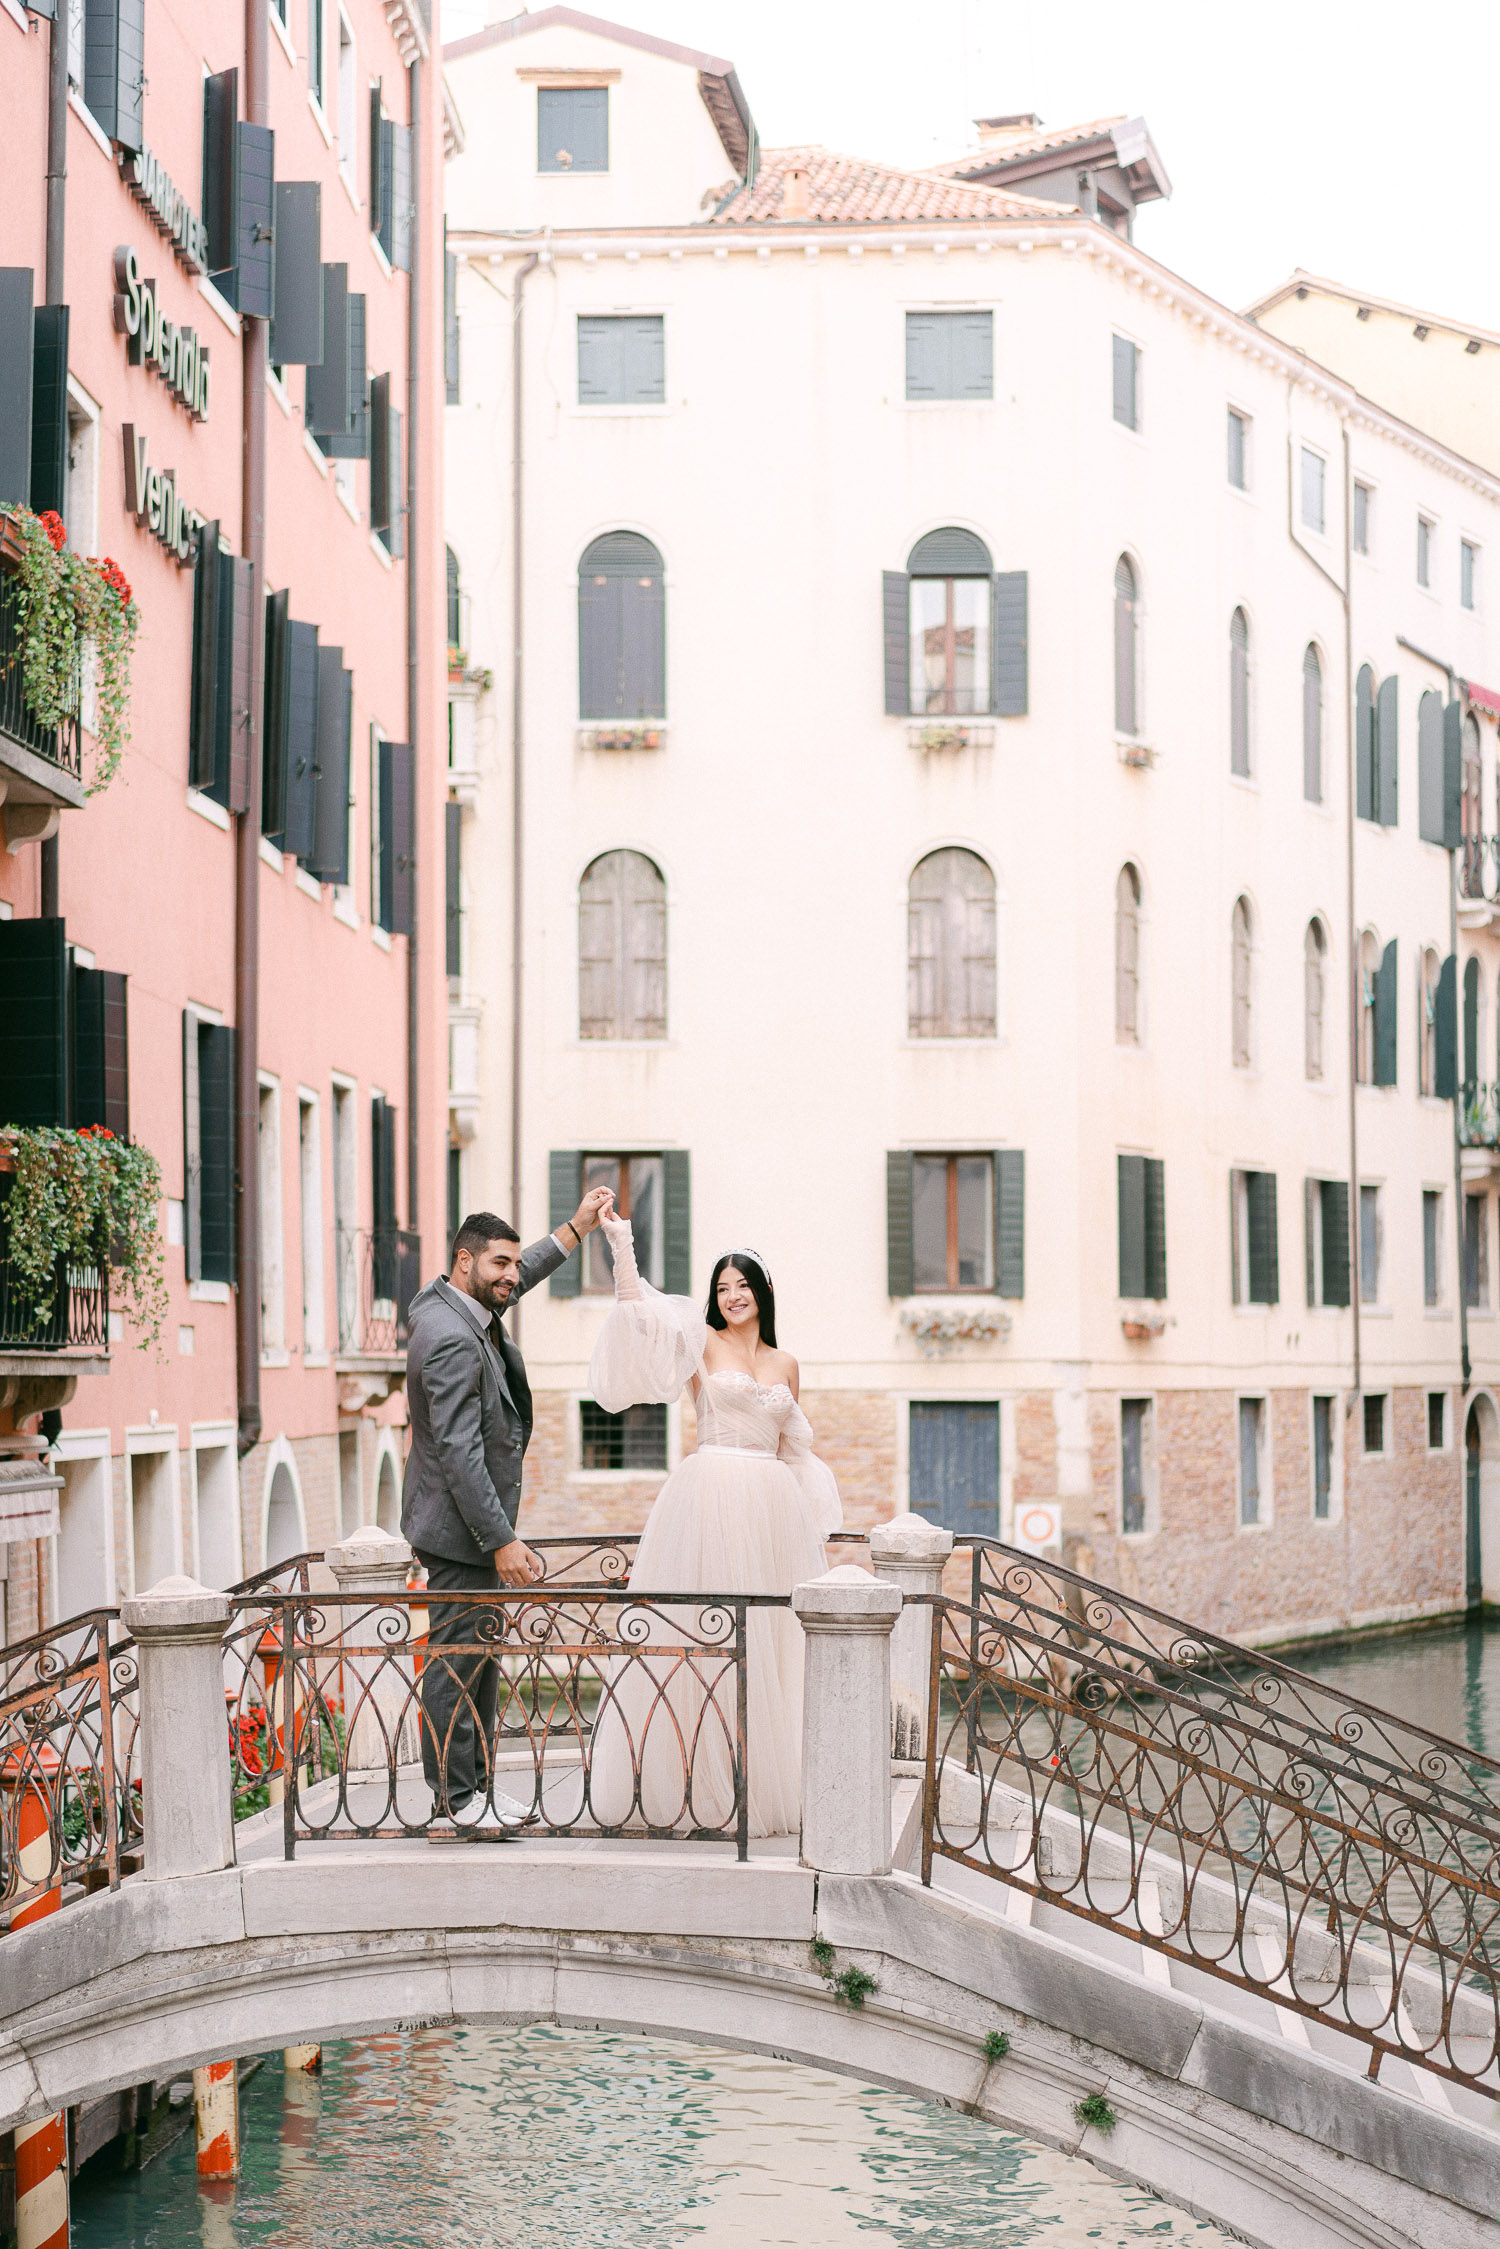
{"x":478,"y":1230}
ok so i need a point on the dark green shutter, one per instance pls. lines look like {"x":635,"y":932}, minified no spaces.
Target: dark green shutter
{"x":221,"y":173}
{"x":397,"y":839}
{"x":898,"y":1227}
{"x":1385,"y":1017}
{"x":203,"y":694}
{"x":1335,"y":1194}
{"x":453,"y":828}
{"x":677,"y":1245}
{"x":326,"y":413}
{"x":297,"y":323}
{"x":1154,"y":1196}
{"x":1430,"y":759}
{"x":356,"y":444}
{"x":1265,"y":1273}
{"x":276,"y":722}
{"x":216,"y":1149}
{"x":1471,"y":1063}
{"x":382,"y":1167}
{"x":1364,"y":744}
{"x":1386,"y":756}
{"x":302,"y":740}
{"x":896,"y":612}
{"x":1008,"y":599}
{"x":49,"y":409}
{"x":564,"y":1194}
{"x":450,"y":326}
{"x":1453,"y":776}
{"x":101,"y":1050}
{"x":34,"y":1087}
{"x":238,"y":627}
{"x":1010,"y":1222}
{"x":1311,"y":1194}
{"x":255,"y":231}
{"x":1445,"y":1031}
{"x":387,"y":501}
{"x":114,"y":67}
{"x":380,"y":170}
{"x":329,"y":857}
{"x":16,"y":372}
{"x":192,"y":1152}
{"x":1130,"y":1176}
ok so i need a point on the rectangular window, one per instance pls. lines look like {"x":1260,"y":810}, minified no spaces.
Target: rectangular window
{"x":1135,"y":1435}
{"x":1375,"y":1421}
{"x":1253,"y":1237}
{"x":1327,"y":1214}
{"x":637,"y":1183}
{"x":1437,"y":1420}
{"x":1323,"y":1432}
{"x":1142,"y":1213}
{"x":315,"y":50}
{"x":348,"y":125}
{"x":1239,"y":441}
{"x":1477,"y":1249}
{"x":1468,"y":571}
{"x":310,"y":1169}
{"x":622,"y":360}
{"x":1424,"y":551}
{"x":1432,"y":1246}
{"x":208,"y":1113}
{"x":950,"y":646}
{"x":953,"y":1462}
{"x":1252,"y":1438}
{"x":635,"y":1440}
{"x":272,"y":1289}
{"x":1371,"y":1245}
{"x":345,"y":1209}
{"x":950,"y":355}
{"x":953,"y":1227}
{"x":1127,"y":383}
{"x":572,"y":129}
{"x":1362,"y":499}
{"x":1313,"y":472}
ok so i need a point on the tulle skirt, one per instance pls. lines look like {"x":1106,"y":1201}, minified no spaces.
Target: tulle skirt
{"x":724,"y":1522}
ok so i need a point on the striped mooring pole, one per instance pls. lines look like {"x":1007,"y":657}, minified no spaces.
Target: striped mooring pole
{"x":216,"y":2115}
{"x":42,"y":2148}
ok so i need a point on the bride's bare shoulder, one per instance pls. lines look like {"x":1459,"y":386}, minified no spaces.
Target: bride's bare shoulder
{"x":784,"y":1368}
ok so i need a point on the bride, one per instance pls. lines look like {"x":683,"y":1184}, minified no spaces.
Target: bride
{"x":748,"y":1512}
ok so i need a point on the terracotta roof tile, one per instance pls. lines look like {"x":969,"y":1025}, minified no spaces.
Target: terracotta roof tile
{"x":836,"y":189}
{"x":1031,"y":144}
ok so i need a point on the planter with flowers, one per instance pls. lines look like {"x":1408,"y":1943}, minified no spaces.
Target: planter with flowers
{"x":941,"y":1328}
{"x":631,"y":734}
{"x":77,"y":1202}
{"x":67,"y":605}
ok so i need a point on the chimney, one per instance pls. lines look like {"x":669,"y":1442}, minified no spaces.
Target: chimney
{"x":1000,"y":132}
{"x":794,"y":196}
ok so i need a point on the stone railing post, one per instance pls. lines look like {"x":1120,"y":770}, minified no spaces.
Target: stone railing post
{"x":847,"y":1616}
{"x":379,"y":1674}
{"x":186,"y":1812}
{"x":910,"y":1553}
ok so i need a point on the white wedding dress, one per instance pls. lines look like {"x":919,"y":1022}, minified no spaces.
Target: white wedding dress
{"x":748,"y":1512}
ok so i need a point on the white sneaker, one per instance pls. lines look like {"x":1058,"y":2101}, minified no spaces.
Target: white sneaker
{"x":507,"y":1813}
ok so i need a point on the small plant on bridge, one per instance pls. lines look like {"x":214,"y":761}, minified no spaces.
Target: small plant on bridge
{"x":852,"y":1985}
{"x":996,"y":2045}
{"x":1095,"y":2113}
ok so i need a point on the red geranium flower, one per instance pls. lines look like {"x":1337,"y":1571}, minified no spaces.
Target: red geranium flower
{"x":54,"y":526}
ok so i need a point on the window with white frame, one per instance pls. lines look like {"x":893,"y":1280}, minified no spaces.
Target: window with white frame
{"x":1477,"y":1251}
{"x":1314,"y":475}
{"x":1127,"y":383}
{"x":1128,"y":956}
{"x":1468,"y":574}
{"x":1312,"y":725}
{"x":1371,"y":1244}
{"x":1314,"y":995}
{"x":1424,"y":551}
{"x":346,"y":1206}
{"x":348,"y":116}
{"x":1432,"y":1246}
{"x":1364,"y":503}
{"x":1432,"y":969}
{"x":1127,"y":649}
{"x":1252,"y":1434}
{"x":310,"y":1170}
{"x":316,"y":51}
{"x":1241,"y":975}
{"x":1137,"y":1464}
{"x":1239,"y":694}
{"x":1239,"y":450}
{"x":622,"y":948}
{"x":1375,"y":1421}
{"x":1324,"y":1443}
{"x":272,"y":1277}
{"x":81,"y":502}
{"x":950,"y":973}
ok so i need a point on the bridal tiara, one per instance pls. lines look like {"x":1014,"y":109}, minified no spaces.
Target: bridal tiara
{"x":733,"y":1257}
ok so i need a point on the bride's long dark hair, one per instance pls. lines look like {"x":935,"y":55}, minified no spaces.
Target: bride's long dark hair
{"x":759,"y":1284}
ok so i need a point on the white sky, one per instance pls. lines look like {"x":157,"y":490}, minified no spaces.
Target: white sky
{"x":1356,"y":138}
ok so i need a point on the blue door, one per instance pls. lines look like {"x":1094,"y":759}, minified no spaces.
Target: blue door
{"x":954,"y":1460}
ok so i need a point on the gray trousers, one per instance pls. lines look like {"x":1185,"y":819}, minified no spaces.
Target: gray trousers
{"x":459,"y":1692}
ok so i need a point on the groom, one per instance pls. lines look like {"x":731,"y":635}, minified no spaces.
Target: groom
{"x":470,"y":1408}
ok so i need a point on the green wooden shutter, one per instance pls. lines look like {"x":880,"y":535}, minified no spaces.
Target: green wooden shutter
{"x":101,"y":1064}
{"x":896,"y":613}
{"x":1471,"y":1064}
{"x":326,"y":411}
{"x":1130,"y":1177}
{"x":1385,"y":1017}
{"x":202,"y":701}
{"x":397,"y":838}
{"x":1453,"y":776}
{"x":297,"y":323}
{"x":255,"y":229}
{"x":357,"y":443}
{"x":1265,"y":1274}
{"x":192,"y":1151}
{"x":238,"y":627}
{"x":1008,"y":634}
{"x":1386,"y":756}
{"x":276,"y":724}
{"x":114,"y":67}
{"x":898,"y":1234}
{"x":1335,"y":1194}
{"x":1445,"y":1031}
{"x":1364,"y":744}
{"x":451,"y":355}
{"x":1235,"y":1260}
{"x":380,"y":170}
{"x":328,"y":857}
{"x":1154,"y":1197}
{"x":564,"y":1194}
{"x":16,"y":371}
{"x":1311,"y":1198}
{"x":302,"y":740}
{"x":216,"y":1144}
{"x":453,"y":828}
{"x":34,"y":1088}
{"x":221,"y":174}
{"x":1430,"y":745}
{"x":49,"y":409}
{"x":677,"y":1246}
{"x":1010,"y":1222}
{"x":387,"y":499}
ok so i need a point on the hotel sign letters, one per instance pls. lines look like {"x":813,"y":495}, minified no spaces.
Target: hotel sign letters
{"x":171,"y":211}
{"x":152,"y":497}
{"x":172,"y":351}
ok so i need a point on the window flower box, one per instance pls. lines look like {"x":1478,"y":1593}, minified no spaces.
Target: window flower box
{"x":1139,"y":756}
{"x":1142,"y":1324}
{"x":629,"y":734}
{"x":941,"y":1329}
{"x":939,"y":737}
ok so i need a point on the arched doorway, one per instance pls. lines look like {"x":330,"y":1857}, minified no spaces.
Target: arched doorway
{"x":283,"y":1518}
{"x":387,"y":1495}
{"x":1482,"y":1501}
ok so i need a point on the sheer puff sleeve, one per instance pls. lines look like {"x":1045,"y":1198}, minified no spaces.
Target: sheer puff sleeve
{"x":815,"y":1479}
{"x":651,"y":1345}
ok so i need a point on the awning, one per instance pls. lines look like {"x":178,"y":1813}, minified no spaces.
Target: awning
{"x":1483,"y":698}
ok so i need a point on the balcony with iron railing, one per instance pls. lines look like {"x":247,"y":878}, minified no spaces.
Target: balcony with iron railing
{"x":74,"y":1315}
{"x":379,"y":1272}
{"x":1478,"y":1115}
{"x":42,"y":766}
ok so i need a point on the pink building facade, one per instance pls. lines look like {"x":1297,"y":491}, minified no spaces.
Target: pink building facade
{"x":234,"y":951}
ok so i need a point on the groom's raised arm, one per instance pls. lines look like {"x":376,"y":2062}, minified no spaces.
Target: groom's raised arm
{"x":553,"y":1250}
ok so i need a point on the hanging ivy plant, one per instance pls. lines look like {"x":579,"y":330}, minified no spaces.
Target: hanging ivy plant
{"x":66,"y":603}
{"x":84,"y":1198}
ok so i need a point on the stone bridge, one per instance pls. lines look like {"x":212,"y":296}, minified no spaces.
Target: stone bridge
{"x":1217,"y":2100}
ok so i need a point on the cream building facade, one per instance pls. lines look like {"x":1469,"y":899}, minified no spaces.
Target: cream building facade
{"x":951,"y":811}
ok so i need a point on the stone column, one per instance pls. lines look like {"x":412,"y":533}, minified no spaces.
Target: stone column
{"x":378,"y":1686}
{"x":910,"y":1553}
{"x":186,"y":1811}
{"x":847,"y":1616}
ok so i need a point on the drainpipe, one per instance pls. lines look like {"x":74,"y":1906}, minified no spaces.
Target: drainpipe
{"x":56,"y":282}
{"x":526,"y":268}
{"x":414,"y":728}
{"x":255,"y":342}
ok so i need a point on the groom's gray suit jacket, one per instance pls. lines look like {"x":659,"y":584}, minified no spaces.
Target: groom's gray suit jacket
{"x":470,"y":1408}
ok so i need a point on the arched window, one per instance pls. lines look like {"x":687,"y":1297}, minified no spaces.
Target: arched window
{"x":1427,"y":1025}
{"x":1240,"y":941}
{"x":1369,"y":968}
{"x":622,"y":949}
{"x":1127,"y":649}
{"x":1312,"y":725}
{"x":949,"y":622}
{"x":1128,"y":957}
{"x":1473,"y":1024}
{"x":1471,"y":812}
{"x":1314,"y":978}
{"x":622,"y":633}
{"x":1239,"y":694}
{"x":950,"y":947}
{"x":455,"y":603}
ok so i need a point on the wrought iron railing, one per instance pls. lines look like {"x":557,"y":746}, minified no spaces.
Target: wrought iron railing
{"x":379,"y":1272}
{"x":77,"y":1315}
{"x":1227,"y":1810}
{"x":1478,"y":1115}
{"x":1479,"y":867}
{"x":61,"y":746}
{"x":69,"y":1802}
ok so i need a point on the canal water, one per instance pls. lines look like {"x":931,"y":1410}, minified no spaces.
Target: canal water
{"x":565,"y":2139}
